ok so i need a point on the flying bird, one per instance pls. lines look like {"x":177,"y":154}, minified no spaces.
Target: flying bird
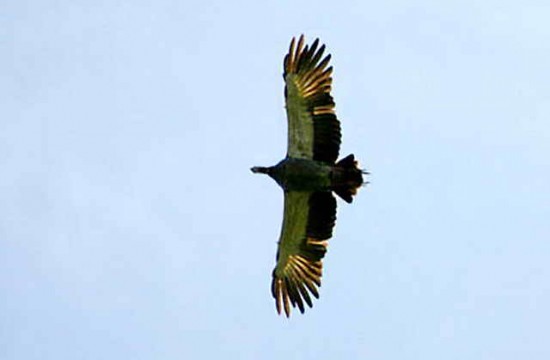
{"x":308,"y":175}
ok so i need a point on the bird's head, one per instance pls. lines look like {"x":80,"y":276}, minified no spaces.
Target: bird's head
{"x":261,"y":170}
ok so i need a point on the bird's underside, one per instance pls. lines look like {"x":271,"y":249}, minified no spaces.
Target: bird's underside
{"x":308,"y":176}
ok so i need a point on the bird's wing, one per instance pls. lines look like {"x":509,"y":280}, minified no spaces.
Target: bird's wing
{"x":308,"y":221}
{"x":313,"y":129}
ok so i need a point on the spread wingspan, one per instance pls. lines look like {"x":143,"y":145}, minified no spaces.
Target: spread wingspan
{"x":313,"y":129}
{"x":308,"y":221}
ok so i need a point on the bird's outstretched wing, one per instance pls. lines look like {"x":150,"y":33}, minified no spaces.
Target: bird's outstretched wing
{"x":308,"y":221}
{"x":313,"y":129}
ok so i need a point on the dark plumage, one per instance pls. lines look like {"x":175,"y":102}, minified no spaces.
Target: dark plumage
{"x":308,"y":175}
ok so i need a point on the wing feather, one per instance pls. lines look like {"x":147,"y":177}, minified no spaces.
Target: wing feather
{"x":313,"y":129}
{"x":308,"y":221}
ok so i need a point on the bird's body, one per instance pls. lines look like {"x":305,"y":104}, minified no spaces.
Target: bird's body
{"x":308,"y":175}
{"x":295,"y":174}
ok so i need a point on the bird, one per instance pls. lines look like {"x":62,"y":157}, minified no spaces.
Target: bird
{"x":308,"y":175}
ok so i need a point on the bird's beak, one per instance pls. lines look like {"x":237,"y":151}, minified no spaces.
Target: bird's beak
{"x":260,"y":170}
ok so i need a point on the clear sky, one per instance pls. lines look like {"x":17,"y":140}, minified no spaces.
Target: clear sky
{"x":132,"y":228}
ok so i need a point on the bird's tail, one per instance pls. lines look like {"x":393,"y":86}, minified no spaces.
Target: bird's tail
{"x":347,"y":178}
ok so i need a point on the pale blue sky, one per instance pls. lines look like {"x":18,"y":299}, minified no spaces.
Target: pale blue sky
{"x":132,"y":228}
